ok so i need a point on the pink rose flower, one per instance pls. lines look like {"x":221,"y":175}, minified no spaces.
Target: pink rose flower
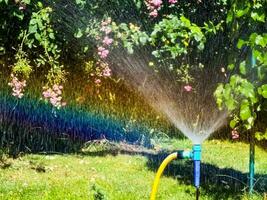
{"x":235,"y":134}
{"x":107,"y":41}
{"x":154,"y":13}
{"x":104,"y":53}
{"x":100,"y":49}
{"x":172,"y":1}
{"x":55,"y":87}
{"x":17,"y":86}
{"x":156,"y":3}
{"x":107,"y":72}
{"x":97,"y":81}
{"x":106,"y":22}
{"x":107,"y":30}
{"x":53,"y":95}
{"x":188,"y":88}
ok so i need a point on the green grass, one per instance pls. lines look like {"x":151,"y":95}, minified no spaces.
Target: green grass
{"x":129,"y":177}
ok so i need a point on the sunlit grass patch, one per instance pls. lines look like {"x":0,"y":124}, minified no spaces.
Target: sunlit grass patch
{"x":77,"y":176}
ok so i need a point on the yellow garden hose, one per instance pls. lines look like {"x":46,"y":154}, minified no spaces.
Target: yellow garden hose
{"x":159,"y":173}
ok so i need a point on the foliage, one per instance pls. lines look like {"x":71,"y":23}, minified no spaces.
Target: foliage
{"x":245,"y":94}
{"x":173,"y":35}
{"x":42,"y":36}
{"x":129,"y":35}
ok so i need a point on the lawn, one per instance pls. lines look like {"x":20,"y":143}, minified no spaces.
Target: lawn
{"x":129,"y":176}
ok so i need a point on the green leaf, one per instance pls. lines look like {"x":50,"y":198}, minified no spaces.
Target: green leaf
{"x":6,"y":1}
{"x":247,"y":89}
{"x":231,"y":67}
{"x":143,"y":40}
{"x":247,"y":126}
{"x":201,"y":46}
{"x":260,"y":90}
{"x":256,"y":17}
{"x":234,"y":80}
{"x":264,"y":91}
{"x":240,"y":43}
{"x":156,"y":54}
{"x":185,"y":21}
{"x":124,"y":27}
{"x":218,"y":94}
{"x":78,"y":34}
{"x":39,"y":4}
{"x":26,"y":1}
{"x":257,"y":54}
{"x":240,"y":13}
{"x":242,"y":68}
{"x":233,"y":123}
{"x":52,"y":36}
{"x":245,"y":111}
{"x":228,"y":97}
{"x":230,"y":103}
{"x":32,"y":28}
{"x":19,"y":15}
{"x":37,"y":36}
{"x":251,"y":120}
{"x":129,"y":47}
{"x":229,"y":17}
{"x":81,"y":3}
{"x":258,"y":135}
{"x":2,"y":50}
{"x":252,"y":37}
{"x":85,"y":49}
{"x":261,"y":135}
{"x":139,"y":4}
{"x":259,"y":40}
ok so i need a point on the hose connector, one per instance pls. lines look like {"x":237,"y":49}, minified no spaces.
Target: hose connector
{"x":184,"y":154}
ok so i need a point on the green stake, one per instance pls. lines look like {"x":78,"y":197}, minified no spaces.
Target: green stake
{"x":252,"y":147}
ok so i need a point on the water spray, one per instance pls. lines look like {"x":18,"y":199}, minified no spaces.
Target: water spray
{"x":194,"y":155}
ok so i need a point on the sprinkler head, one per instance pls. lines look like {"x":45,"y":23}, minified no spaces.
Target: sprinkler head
{"x":196,"y":152}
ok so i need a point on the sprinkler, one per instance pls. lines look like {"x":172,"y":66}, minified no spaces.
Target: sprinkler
{"x":196,"y":160}
{"x":194,"y":155}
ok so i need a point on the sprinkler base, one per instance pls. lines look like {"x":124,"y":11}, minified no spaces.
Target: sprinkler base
{"x":197,"y":193}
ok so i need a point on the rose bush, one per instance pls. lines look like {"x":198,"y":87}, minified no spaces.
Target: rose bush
{"x":43,"y":35}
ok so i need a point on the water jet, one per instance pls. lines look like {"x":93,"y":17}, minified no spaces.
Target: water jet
{"x":194,"y":113}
